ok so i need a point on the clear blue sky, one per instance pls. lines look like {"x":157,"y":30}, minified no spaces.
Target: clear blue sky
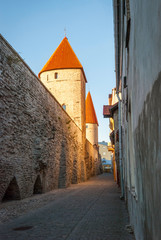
{"x":35,"y":28}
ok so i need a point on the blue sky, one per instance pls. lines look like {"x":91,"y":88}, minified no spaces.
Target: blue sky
{"x":35,"y":28}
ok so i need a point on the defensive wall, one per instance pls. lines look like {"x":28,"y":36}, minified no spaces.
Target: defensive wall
{"x":41,"y":146}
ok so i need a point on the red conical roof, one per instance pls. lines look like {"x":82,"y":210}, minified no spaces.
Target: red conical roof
{"x":90,"y":111}
{"x":63,"y":58}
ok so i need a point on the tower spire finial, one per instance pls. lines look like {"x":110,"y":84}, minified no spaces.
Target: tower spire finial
{"x":65,"y":32}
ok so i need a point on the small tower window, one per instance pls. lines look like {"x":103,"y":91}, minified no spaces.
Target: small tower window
{"x":47,"y":77}
{"x":56,"y":75}
{"x":64,"y":107}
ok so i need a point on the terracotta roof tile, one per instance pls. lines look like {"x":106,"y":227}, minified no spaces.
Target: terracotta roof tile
{"x":108,"y":110}
{"x":90,"y":111}
{"x":63,"y":58}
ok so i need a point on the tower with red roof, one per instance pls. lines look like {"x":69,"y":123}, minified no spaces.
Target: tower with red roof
{"x":64,"y":77}
{"x":91,"y":121}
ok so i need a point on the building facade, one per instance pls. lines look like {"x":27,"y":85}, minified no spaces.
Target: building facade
{"x":111,"y":111}
{"x":138,"y":80}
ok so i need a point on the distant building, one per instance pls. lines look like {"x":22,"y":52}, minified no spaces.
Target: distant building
{"x":111,"y":111}
{"x":105,"y":155}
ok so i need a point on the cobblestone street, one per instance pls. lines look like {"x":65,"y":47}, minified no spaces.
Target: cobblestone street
{"x":87,"y":211}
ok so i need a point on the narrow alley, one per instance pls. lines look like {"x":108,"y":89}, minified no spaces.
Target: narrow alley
{"x":87,"y":211}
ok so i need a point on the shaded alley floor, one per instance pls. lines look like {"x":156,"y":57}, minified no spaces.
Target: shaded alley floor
{"x":87,"y":211}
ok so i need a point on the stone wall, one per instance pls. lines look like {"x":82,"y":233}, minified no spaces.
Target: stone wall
{"x":41,"y":146}
{"x":92,"y":160}
{"x":69,"y":89}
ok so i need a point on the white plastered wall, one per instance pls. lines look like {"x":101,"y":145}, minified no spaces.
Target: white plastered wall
{"x":92,"y":133}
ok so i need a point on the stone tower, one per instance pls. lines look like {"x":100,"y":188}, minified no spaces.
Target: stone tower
{"x":91,"y":121}
{"x":64,"y":77}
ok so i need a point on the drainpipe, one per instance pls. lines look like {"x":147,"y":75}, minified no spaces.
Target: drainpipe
{"x":120,"y":148}
{"x":116,"y":18}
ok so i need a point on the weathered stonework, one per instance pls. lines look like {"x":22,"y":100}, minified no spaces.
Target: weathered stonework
{"x":92,"y":160}
{"x":41,"y":146}
{"x":69,"y":89}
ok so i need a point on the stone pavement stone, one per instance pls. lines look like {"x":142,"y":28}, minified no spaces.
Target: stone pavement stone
{"x":87,"y":211}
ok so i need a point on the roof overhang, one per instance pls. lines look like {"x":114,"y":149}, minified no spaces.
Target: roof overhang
{"x":108,"y":110}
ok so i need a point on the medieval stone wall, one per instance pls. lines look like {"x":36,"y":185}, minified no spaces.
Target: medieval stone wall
{"x":92,"y":160}
{"x":41,"y":146}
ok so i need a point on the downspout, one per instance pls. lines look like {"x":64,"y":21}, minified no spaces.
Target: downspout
{"x":120,"y":147}
{"x":117,"y":66}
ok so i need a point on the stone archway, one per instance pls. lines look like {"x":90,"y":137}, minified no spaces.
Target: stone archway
{"x":12,"y":192}
{"x":37,"y":186}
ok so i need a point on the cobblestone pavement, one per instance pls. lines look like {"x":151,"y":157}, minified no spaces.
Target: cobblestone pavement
{"x":87,"y":211}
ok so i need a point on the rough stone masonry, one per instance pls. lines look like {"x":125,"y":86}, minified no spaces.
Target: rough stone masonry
{"x":41,"y":146}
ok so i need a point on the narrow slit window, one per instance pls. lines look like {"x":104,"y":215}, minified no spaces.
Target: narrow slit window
{"x":56,"y":75}
{"x":47,"y":77}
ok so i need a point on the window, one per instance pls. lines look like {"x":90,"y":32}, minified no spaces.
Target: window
{"x":47,"y":77}
{"x":64,"y":107}
{"x":56,"y":75}
{"x":86,"y":126}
